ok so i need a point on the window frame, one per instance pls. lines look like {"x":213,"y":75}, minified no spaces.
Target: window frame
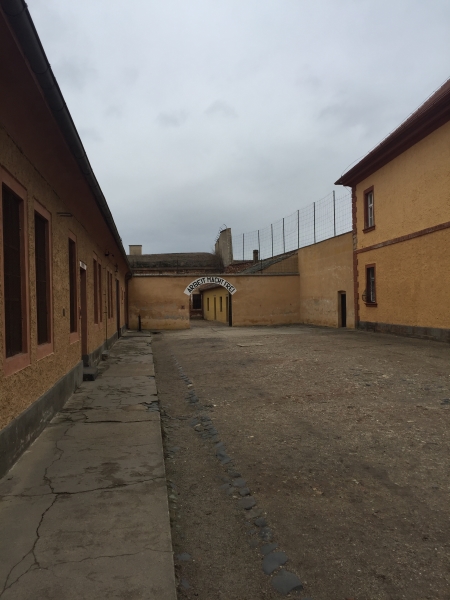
{"x":19,"y":361}
{"x":46,"y":348}
{"x":367,"y":193}
{"x":368,"y":268}
{"x":100,"y":290}
{"x":74,"y":336}
{"x":96,"y":286}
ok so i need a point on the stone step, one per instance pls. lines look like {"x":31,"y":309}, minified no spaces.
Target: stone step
{"x":90,"y":373}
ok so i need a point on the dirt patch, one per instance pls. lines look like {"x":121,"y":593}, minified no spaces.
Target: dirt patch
{"x":342,"y":439}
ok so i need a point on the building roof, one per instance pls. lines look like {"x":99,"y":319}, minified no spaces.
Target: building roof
{"x":266,"y":263}
{"x":176,"y":261}
{"x":25,"y":33}
{"x":433,"y":113}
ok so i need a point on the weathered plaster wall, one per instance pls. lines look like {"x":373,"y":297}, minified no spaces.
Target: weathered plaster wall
{"x":217,"y":294}
{"x":411,"y":193}
{"x":259,"y":300}
{"x":325,"y":270}
{"x":265,"y":299}
{"x":160,"y":302}
{"x":412,"y":282}
{"x":20,"y":389}
{"x":288,"y":265}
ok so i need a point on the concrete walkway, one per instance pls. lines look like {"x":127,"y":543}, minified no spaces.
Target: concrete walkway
{"x":84,"y":513}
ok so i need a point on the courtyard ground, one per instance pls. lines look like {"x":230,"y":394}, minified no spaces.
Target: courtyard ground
{"x":342,"y":439}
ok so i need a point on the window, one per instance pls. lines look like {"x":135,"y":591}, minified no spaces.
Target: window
{"x":369,"y":211}
{"x":43,"y":274}
{"x":96,"y":304}
{"x":109,"y":293}
{"x":369,"y":295}
{"x":110,"y":297}
{"x":14,"y":273}
{"x":207,"y":304}
{"x":196,"y":301}
{"x":73,"y":285}
{"x":100,"y":292}
{"x":220,"y":303}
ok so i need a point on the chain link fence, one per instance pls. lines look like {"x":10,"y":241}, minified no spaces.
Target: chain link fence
{"x":327,"y":218}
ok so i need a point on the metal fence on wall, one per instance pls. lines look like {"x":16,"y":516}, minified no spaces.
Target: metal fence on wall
{"x":314,"y":223}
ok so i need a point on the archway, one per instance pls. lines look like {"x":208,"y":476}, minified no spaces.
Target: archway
{"x":211,"y":312}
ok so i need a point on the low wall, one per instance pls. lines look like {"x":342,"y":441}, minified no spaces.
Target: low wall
{"x":259,"y":300}
{"x":159,"y":301}
{"x":265,"y":299}
{"x":325,"y":270}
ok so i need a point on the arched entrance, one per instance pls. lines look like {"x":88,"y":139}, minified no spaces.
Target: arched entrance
{"x":211,"y":309}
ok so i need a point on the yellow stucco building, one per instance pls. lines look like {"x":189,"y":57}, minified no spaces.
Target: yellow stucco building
{"x":63,"y":268}
{"x":401,"y":226}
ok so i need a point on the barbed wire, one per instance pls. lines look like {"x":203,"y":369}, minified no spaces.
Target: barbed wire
{"x":321,"y":220}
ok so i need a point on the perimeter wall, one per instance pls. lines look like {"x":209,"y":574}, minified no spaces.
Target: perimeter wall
{"x":259,"y":300}
{"x":326,"y":271}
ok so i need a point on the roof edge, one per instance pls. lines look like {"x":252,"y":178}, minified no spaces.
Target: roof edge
{"x":431,"y":115}
{"x":21,"y":23}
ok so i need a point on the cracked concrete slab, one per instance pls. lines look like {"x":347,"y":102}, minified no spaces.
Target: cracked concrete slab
{"x":84,"y":513}
{"x":130,"y":368}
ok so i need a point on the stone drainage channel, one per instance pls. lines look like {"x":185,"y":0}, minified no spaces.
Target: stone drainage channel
{"x":273,"y":561}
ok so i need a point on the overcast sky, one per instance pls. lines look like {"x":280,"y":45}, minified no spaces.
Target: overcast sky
{"x":198,"y":113}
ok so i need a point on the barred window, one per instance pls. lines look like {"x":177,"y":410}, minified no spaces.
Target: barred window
{"x":41,"y":244}
{"x":96,"y":304}
{"x":12,"y":207}
{"x":73,"y":285}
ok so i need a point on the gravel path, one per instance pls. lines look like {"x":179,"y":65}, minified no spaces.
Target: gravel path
{"x":331,"y":445}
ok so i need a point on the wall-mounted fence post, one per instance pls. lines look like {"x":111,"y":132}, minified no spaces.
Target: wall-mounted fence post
{"x":334,"y":212}
{"x":259,"y":251}
{"x":314,"y":208}
{"x":284,"y":241}
{"x":271,"y":233}
{"x":298,"y":229}
{"x":243,"y":246}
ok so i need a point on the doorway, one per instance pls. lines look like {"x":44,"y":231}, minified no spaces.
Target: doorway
{"x":118,"y":308}
{"x":83,"y":316}
{"x":342,"y":309}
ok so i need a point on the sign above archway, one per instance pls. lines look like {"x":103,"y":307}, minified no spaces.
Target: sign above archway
{"x":208,"y":280}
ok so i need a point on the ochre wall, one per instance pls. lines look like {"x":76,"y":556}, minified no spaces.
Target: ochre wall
{"x":21,"y":388}
{"x":265,"y":299}
{"x":160,"y":302}
{"x":325,"y":269}
{"x":412,"y":282}
{"x":411,"y":193}
{"x":215,"y":293}
{"x":288,"y":265}
{"x":259,"y":300}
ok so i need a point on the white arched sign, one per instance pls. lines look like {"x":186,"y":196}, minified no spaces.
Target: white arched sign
{"x":204,"y":280}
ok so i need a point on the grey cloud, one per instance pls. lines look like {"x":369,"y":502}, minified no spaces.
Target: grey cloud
{"x":76,"y":74}
{"x":172,"y":119}
{"x":113,"y":111}
{"x":221,"y":108}
{"x":90,"y":134}
{"x":198,"y":113}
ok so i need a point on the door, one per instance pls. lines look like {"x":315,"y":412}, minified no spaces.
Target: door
{"x":118,"y":308}
{"x":215,"y":309}
{"x":230,"y":310}
{"x":343,"y":307}
{"x":83,"y":316}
